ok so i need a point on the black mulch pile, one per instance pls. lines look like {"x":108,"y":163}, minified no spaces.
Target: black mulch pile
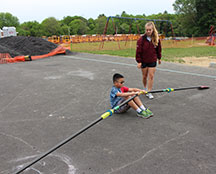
{"x":22,"y":45}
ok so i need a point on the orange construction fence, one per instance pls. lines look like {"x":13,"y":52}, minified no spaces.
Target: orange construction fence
{"x":91,"y":38}
{"x":6,"y":58}
{"x":94,"y":38}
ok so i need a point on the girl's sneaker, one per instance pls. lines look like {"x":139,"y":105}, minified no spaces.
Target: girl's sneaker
{"x":149,"y":95}
{"x":143,"y":114}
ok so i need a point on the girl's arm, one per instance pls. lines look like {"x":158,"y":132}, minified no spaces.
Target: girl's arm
{"x":158,"y":49}
{"x":139,"y":50}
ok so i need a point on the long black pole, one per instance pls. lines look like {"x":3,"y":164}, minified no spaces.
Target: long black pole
{"x":59,"y":145}
{"x":178,"y":89}
{"x":102,"y":117}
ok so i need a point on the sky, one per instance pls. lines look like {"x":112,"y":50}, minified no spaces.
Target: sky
{"x":38,"y":10}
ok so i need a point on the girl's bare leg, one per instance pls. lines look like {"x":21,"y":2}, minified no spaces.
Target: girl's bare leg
{"x":151,"y":72}
{"x":145,"y":76}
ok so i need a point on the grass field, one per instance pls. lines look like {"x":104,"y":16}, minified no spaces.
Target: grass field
{"x":172,"y":51}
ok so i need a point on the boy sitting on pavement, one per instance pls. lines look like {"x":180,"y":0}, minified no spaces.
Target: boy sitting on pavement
{"x":119,"y":93}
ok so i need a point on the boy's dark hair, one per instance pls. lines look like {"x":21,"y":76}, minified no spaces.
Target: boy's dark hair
{"x":117,"y":76}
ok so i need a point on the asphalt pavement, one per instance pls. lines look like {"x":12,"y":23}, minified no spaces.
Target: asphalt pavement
{"x":45,"y":101}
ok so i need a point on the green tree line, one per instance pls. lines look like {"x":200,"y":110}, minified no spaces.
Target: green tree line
{"x":191,"y":18}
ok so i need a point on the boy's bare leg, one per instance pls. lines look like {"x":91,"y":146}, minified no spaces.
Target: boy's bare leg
{"x":138,"y":101}
{"x":132,"y":103}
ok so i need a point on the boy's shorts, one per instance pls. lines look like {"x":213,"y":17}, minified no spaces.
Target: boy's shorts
{"x":123,"y":108}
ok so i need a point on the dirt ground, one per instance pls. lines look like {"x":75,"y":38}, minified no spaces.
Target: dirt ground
{"x":199,"y":61}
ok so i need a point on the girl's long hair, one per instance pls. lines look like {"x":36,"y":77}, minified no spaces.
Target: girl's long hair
{"x":154,"y":37}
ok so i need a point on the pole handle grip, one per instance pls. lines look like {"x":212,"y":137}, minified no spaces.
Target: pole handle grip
{"x":107,"y":113}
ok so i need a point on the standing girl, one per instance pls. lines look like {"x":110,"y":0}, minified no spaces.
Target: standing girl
{"x":147,"y":53}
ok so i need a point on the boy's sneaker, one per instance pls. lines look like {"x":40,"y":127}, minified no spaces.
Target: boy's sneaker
{"x":149,"y":112}
{"x":149,"y":95}
{"x":143,"y":114}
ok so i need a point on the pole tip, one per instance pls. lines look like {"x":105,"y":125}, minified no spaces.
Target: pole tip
{"x":203,"y":87}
